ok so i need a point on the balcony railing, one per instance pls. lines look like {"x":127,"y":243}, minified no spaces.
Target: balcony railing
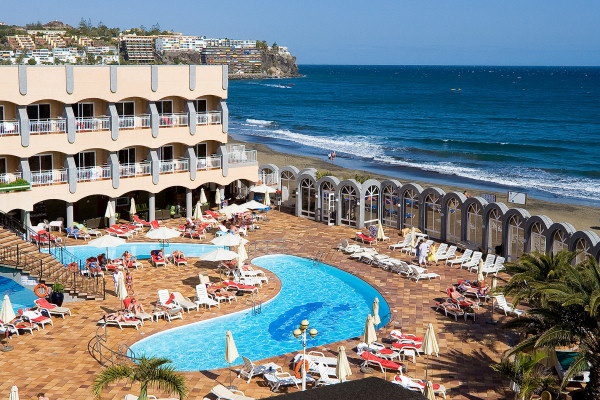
{"x":93,"y":173}
{"x":46,"y":126}
{"x":50,"y":177}
{"x":206,"y":163}
{"x":208,"y":118}
{"x":135,"y":169}
{"x":10,"y":177}
{"x":93,"y":124}
{"x":134,"y":121}
{"x":9,"y":128}
{"x":173,"y":166}
{"x":170,"y":120}
{"x":236,"y":158}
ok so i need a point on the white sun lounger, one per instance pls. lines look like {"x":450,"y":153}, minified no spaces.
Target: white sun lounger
{"x":184,"y":302}
{"x":451,"y":252}
{"x":224,"y":393}
{"x":460,"y":260}
{"x":316,"y":357}
{"x":202,"y":297}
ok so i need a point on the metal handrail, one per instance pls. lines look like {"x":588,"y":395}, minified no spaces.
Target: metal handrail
{"x":104,"y":354}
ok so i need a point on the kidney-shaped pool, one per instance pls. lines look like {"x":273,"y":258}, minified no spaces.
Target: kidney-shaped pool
{"x":335,"y":302}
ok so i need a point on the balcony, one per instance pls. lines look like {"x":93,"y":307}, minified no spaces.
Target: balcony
{"x":171,"y":120}
{"x":207,"y":163}
{"x":49,"y":177}
{"x":93,"y":124}
{"x":208,"y":118}
{"x":135,"y":169}
{"x":134,"y":121}
{"x":93,"y":173}
{"x":174,"y":166}
{"x":5,"y":179}
{"x":241,"y":158}
{"x":47,"y":126}
{"x":9,"y":128}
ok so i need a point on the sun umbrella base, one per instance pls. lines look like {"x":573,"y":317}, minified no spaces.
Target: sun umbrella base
{"x":491,"y":322}
{"x":6,"y":348}
{"x":232,"y":387}
{"x":367,"y":370}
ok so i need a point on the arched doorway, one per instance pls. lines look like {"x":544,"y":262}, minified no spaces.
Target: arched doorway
{"x":371,"y":205}
{"x":348,"y":203}
{"x":475,"y":224}
{"x":390,"y":205}
{"x":307,"y":198}
{"x":453,"y":220}
{"x":433,"y":215}
{"x":410,"y":199}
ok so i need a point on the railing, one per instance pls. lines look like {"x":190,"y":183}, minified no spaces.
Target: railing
{"x":206,"y":163}
{"x":170,"y":120}
{"x":268,"y":179}
{"x":50,"y":177}
{"x":173,"y":166}
{"x":208,"y":118}
{"x":93,"y":124}
{"x":10,"y":177}
{"x":256,"y":303}
{"x":135,"y":169}
{"x":134,"y":121}
{"x":16,"y":226}
{"x":93,"y":173}
{"x":45,"y":126}
{"x":238,"y":158}
{"x":105,"y":355}
{"x":9,"y":128}
{"x":266,"y":247}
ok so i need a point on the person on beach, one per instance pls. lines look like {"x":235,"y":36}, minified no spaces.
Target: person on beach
{"x":467,"y":194}
{"x":333,"y":157}
{"x":423,"y":251}
{"x":329,"y":156}
{"x":129,"y":282}
{"x":116,"y":274}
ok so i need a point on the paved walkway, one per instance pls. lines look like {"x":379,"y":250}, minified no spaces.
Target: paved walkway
{"x":56,"y":360}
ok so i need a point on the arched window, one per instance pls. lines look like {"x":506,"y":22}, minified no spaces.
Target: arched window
{"x":349,"y":199}
{"x":411,"y":208}
{"x":515,"y":237}
{"x":433,"y":215}
{"x":584,"y":248}
{"x":494,"y":231}
{"x":475,"y":224}
{"x":537,"y":238}
{"x":390,"y":206}
{"x":288,"y":187}
{"x":267,"y":176}
{"x":560,"y":241}
{"x":453,"y":220}
{"x":371,"y":205}
{"x":328,"y":202}
{"x":307,"y":191}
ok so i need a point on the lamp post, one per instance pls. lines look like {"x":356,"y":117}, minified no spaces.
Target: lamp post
{"x":300,"y":333}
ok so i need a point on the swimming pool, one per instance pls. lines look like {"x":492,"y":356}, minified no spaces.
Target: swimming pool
{"x":335,"y":302}
{"x":141,"y":250}
{"x":20,"y":296}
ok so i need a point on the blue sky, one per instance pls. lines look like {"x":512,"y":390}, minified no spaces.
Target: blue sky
{"x":447,"y":32}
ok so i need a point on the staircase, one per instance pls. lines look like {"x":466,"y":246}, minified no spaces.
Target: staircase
{"x":46,"y":268}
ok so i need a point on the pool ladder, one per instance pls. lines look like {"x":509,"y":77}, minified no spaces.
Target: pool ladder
{"x":317,"y":258}
{"x":256,"y":303}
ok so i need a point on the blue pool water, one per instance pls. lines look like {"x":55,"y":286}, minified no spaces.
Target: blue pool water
{"x":335,"y":302}
{"x":141,"y":250}
{"x":20,"y":296}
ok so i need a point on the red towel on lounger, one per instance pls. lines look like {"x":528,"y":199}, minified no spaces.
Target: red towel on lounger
{"x":238,"y":285}
{"x":171,"y":298}
{"x":397,"y":345}
{"x":385,"y":363}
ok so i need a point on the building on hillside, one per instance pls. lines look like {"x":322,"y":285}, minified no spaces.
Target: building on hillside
{"x":85,"y":136}
{"x":137,"y":48}
{"x":179,"y":43}
{"x":235,"y":43}
{"x":21,"y":42}
{"x":68,"y":55}
{"x":239,"y":60}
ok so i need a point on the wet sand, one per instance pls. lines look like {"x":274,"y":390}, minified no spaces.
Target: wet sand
{"x":581,"y":217}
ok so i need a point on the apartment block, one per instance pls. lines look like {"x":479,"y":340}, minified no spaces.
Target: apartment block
{"x":239,"y":60}
{"x":138,"y":48}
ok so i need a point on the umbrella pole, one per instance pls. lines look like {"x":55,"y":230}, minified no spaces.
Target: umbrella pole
{"x":231,"y":387}
{"x":426,"y":367}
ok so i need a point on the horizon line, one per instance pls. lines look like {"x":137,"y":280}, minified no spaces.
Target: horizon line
{"x":450,"y":65}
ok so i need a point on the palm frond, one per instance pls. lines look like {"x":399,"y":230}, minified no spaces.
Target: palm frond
{"x":109,"y":375}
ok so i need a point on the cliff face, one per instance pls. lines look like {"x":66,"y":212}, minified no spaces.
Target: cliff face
{"x":275,"y":64}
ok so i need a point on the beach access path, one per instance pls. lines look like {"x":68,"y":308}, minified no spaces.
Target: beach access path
{"x":56,"y":360}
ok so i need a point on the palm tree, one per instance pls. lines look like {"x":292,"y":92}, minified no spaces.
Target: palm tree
{"x":148,"y":372}
{"x":568,"y":316}
{"x":526,"y":372}
{"x":534,"y":267}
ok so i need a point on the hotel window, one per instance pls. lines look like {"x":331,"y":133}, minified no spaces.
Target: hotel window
{"x":2,"y":165}
{"x":127,"y":156}
{"x":38,"y":111}
{"x":164,"y":107}
{"x":165,"y":153}
{"x":83,"y":110}
{"x":200,"y":105}
{"x":201,"y":150}
{"x":86,"y":159}
{"x":41,"y":162}
{"x":125,"y":108}
{"x":1,"y":113}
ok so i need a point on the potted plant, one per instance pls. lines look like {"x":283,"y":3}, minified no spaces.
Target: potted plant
{"x":57,"y":297}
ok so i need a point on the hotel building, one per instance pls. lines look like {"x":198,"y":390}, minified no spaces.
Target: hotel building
{"x":79,"y":137}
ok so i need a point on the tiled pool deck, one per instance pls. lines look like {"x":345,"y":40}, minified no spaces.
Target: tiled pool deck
{"x":56,"y":360}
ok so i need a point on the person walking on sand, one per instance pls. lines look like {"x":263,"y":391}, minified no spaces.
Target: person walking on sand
{"x":329,"y":156}
{"x":333,"y":157}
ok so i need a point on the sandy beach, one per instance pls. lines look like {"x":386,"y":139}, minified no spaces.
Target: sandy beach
{"x":581,"y":217}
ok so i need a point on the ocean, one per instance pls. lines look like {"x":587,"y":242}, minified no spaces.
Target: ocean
{"x":529,"y":129}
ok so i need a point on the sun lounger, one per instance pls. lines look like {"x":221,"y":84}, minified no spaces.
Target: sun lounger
{"x":202,"y":297}
{"x":179,"y":260}
{"x":121,"y":234}
{"x":257,"y":275}
{"x":240,"y":287}
{"x":473,"y":262}
{"x":379,"y":350}
{"x":450,"y":308}
{"x":170,"y":307}
{"x":347,"y":247}
{"x":278,"y":379}
{"x":130,"y":322}
{"x":451,"y":252}
{"x":35,"y":317}
{"x":458,"y":298}
{"x":16,"y":325}
{"x":52,"y":309}
{"x":224,"y":393}
{"x":150,"y":397}
{"x":316,"y":357}
{"x":373,"y":359}
{"x":220,"y":294}
{"x":418,"y":273}
{"x":185,"y":302}
{"x":324,"y":378}
{"x":156,"y":260}
{"x":369,"y":240}
{"x":505,"y":306}
{"x":401,"y":244}
{"x":363,"y":251}
{"x":418,"y":385}
{"x":249,"y":370}
{"x":402,"y":337}
{"x":460,"y":260}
